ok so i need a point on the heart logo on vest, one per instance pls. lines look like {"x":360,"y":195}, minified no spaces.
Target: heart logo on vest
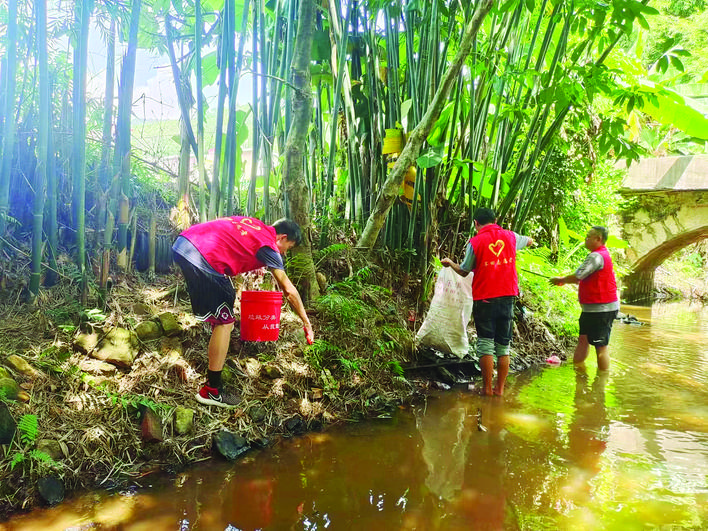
{"x":496,"y":247}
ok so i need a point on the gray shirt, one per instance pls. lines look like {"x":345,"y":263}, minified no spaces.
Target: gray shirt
{"x":592,"y":263}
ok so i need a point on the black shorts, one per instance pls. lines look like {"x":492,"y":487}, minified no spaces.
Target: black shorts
{"x":493,"y":318}
{"x":212,"y":295}
{"x":597,"y":326}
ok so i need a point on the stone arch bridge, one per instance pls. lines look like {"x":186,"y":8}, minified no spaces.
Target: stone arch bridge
{"x":667,"y":210}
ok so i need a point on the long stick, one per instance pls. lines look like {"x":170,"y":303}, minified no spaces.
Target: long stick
{"x":534,"y":273}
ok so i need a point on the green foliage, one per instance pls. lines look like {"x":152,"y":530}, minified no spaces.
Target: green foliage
{"x":93,"y":315}
{"x":134,"y":404}
{"x":396,"y":368}
{"x":690,"y":262}
{"x":557,"y":307}
{"x":685,"y":8}
{"x":681,"y":23}
{"x":365,"y":329}
{"x":34,"y":457}
{"x":28,"y":429}
{"x":331,"y":252}
{"x":580,"y":194}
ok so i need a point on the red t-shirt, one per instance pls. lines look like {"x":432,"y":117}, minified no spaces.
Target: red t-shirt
{"x":230,"y":244}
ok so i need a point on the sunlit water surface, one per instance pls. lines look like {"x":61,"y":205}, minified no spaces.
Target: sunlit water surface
{"x":563,"y":450}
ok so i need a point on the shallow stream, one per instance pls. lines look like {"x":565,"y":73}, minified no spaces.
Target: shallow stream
{"x":564,"y":449}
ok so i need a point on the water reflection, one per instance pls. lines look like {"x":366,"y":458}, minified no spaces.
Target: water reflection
{"x":446,"y":436}
{"x":587,"y":440}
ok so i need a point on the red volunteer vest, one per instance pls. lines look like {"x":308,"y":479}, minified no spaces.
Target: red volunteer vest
{"x":230,"y":244}
{"x":601,"y":286}
{"x":495,"y":263}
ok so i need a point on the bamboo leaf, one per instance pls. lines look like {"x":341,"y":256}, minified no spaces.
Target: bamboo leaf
{"x":676,"y":62}
{"x":439,"y":129}
{"x":210,"y":71}
{"x":212,"y":5}
{"x":483,"y":180}
{"x":670,"y":108}
{"x":406,"y":107}
{"x":616,"y":243}
{"x":431,"y":158}
{"x":563,"y":232}
{"x":642,"y":22}
{"x":321,"y":46}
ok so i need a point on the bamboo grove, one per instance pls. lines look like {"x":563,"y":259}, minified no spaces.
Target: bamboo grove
{"x":390,"y":120}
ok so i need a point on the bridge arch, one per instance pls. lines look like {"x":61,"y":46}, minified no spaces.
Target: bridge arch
{"x":666,"y":210}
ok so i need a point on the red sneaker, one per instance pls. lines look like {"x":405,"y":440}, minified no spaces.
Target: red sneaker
{"x":211,"y":396}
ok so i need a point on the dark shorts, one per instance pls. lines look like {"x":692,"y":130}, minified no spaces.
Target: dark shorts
{"x":597,"y":326}
{"x":493,"y":318}
{"x":212,"y":295}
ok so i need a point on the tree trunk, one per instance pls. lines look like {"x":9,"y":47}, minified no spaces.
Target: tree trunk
{"x":417,"y":137}
{"x":227,"y":52}
{"x":200,"y":110}
{"x":8,"y":136}
{"x":83,"y":10}
{"x":104,"y":172}
{"x":294,"y":175}
{"x":122,"y":159}
{"x":52,"y":198}
{"x":42,"y":148}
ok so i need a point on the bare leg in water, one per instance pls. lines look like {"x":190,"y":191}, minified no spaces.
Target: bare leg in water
{"x":502,"y":372}
{"x":486,"y":364}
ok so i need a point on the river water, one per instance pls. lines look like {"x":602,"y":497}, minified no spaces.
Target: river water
{"x":564,"y":449}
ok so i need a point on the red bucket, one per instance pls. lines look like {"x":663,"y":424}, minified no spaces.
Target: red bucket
{"x":260,"y":315}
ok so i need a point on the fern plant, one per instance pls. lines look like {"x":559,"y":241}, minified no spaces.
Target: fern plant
{"x":28,"y":428}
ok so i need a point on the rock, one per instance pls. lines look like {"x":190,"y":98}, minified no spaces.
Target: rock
{"x":272,"y":372}
{"x":21,"y":366}
{"x":151,"y":427}
{"x":184,"y":420}
{"x":9,"y":388}
{"x":261,"y":442}
{"x":119,"y":347}
{"x":7,"y":425}
{"x":230,"y":445}
{"x":96,"y":367}
{"x":140,"y":308}
{"x":295,"y":426}
{"x":51,"y":490}
{"x":86,"y":342}
{"x":148,"y":330}
{"x":257,"y":413}
{"x":170,"y":346}
{"x":51,"y":447}
{"x":170,"y":324}
{"x":316,"y":425}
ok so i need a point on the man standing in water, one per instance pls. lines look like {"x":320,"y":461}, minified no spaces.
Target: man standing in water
{"x":491,"y":254}
{"x":597,"y":292}
{"x":211,"y":252}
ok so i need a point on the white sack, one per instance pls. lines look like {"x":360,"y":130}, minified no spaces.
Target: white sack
{"x":445,"y":326}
